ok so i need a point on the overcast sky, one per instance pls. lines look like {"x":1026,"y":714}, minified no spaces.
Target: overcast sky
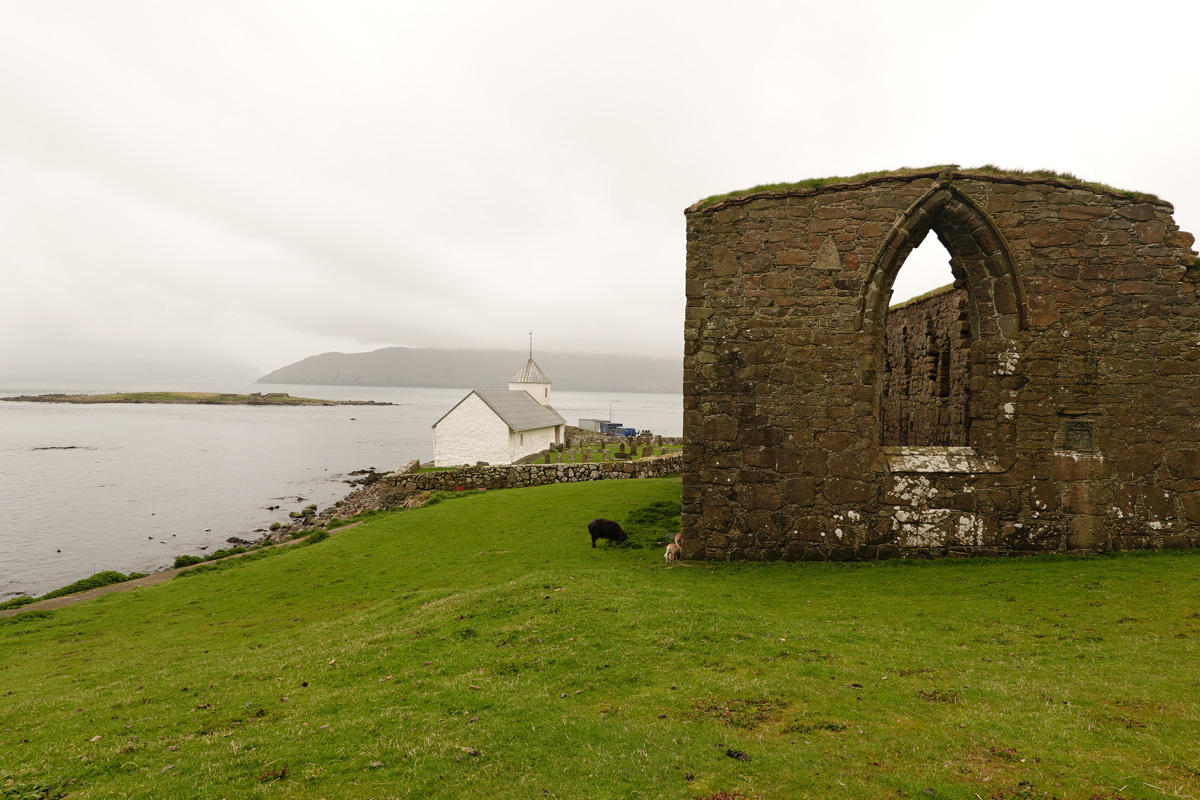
{"x":253,"y":182}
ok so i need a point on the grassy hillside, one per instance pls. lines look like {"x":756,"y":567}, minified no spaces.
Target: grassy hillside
{"x":481,"y":648}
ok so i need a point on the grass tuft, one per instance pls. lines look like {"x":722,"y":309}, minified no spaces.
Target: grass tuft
{"x":105,"y":578}
{"x":653,"y":524}
{"x":40,"y":790}
{"x":26,"y":617}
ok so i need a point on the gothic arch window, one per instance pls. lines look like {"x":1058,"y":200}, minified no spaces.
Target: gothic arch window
{"x":951,"y":336}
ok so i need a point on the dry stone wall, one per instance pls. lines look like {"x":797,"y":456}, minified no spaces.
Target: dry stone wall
{"x":399,"y":485}
{"x":1080,"y":376}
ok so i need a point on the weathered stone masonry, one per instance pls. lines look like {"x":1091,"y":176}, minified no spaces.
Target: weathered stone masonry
{"x":926,"y":358}
{"x":1078,"y":382}
{"x":397,"y":486}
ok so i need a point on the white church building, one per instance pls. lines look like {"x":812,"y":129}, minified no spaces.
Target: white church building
{"x":498,"y":426}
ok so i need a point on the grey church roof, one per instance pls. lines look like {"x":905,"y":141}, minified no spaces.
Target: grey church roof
{"x":530,"y":373}
{"x":516,"y":408}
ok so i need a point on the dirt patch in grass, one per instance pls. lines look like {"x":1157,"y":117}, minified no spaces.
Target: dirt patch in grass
{"x":1126,"y":722}
{"x":1007,"y":755}
{"x":276,"y":774}
{"x":939,"y":696}
{"x":812,"y":727}
{"x":737,"y":713}
{"x":904,"y":673}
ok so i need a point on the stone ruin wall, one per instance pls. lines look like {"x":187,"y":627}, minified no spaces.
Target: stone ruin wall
{"x":1081,"y":373}
{"x":925,"y":362}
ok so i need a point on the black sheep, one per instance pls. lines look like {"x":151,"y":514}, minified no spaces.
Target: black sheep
{"x":606,"y":529}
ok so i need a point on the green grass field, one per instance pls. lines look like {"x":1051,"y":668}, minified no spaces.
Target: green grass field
{"x":480,"y":647}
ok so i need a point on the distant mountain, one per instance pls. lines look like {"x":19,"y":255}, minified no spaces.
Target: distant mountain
{"x":482,"y":369}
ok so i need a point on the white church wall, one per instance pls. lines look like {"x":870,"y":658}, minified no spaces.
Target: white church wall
{"x":471,"y":433}
{"x":529,"y":442}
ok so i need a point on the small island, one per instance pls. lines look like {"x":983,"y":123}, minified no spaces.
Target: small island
{"x":197,"y":398}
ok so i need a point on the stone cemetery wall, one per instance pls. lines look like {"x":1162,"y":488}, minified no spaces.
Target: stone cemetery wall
{"x":399,"y":485}
{"x":1075,"y":378}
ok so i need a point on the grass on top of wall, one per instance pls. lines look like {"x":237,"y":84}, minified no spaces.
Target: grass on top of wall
{"x":480,"y":647}
{"x":986,"y":169}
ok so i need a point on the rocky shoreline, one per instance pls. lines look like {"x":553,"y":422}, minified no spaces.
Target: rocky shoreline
{"x":367,"y":496}
{"x":403,"y":488}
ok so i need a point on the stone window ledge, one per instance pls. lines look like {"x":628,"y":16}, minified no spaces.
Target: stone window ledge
{"x":938,"y":459}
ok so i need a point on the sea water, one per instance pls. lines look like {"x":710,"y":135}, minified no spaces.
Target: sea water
{"x":86,"y":488}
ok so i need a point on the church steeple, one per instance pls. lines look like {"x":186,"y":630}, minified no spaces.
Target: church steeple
{"x":530,"y":378}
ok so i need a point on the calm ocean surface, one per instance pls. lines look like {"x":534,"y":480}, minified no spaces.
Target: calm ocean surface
{"x":129,"y":487}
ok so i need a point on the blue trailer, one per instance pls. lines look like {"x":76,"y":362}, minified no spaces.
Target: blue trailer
{"x":616,"y":429}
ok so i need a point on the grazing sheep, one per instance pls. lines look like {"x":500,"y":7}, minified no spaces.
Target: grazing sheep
{"x":673,"y":553}
{"x":679,"y":539}
{"x":606,"y":529}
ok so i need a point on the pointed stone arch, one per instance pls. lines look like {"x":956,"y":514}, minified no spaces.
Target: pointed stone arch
{"x":980,"y":260}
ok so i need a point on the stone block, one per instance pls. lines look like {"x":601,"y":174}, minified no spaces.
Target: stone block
{"x":1190,"y":501}
{"x":1070,"y":466}
{"x":1157,"y":503}
{"x":787,"y":461}
{"x":1086,"y":497}
{"x":844,"y":465}
{"x":1086,"y":533}
{"x":720,"y":428}
{"x":759,"y":457}
{"x":1076,"y":211}
{"x":1005,"y":499}
{"x":1140,"y":212}
{"x":964,"y":501}
{"x":843,"y":491}
{"x":836,"y":441}
{"x":814,"y":463}
{"x":1180,"y":541}
{"x":798,"y":491}
{"x":1115,"y":238}
{"x":1048,"y":236}
{"x":760,"y":496}
{"x":1150,"y":232}
{"x":1124,"y":500}
{"x":1183,"y":463}
{"x":1181,"y":239}
{"x":1043,"y":495}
